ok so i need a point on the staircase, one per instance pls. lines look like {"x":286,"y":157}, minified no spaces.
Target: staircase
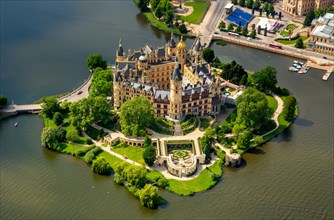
{"x":177,"y":129}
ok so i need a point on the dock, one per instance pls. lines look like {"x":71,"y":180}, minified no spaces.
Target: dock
{"x":326,"y":75}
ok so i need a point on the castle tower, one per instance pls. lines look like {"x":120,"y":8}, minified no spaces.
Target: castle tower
{"x":117,"y":90}
{"x":142,"y":62}
{"x":198,"y":47}
{"x":175,"y":107}
{"x":181,"y":53}
{"x":172,"y":46}
{"x":120,"y":53}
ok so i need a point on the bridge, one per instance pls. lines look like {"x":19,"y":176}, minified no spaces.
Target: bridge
{"x":80,"y":93}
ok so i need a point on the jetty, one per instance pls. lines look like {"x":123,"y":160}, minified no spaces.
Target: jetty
{"x":326,"y":75}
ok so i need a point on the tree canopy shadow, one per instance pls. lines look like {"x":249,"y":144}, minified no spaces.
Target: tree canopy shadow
{"x":303,"y":122}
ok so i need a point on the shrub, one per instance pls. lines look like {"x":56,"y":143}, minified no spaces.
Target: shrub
{"x":58,"y":118}
{"x":72,"y":136}
{"x":118,"y":179}
{"x":89,"y":157}
{"x":162,"y":182}
{"x":101,"y":166}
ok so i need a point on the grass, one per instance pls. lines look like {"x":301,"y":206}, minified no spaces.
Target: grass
{"x":72,"y":148}
{"x":196,"y":16}
{"x":287,"y":41}
{"x":39,"y":101}
{"x":48,"y":122}
{"x":272,"y":102}
{"x":189,"y":125}
{"x":202,"y":182}
{"x":221,"y":43}
{"x":290,"y":27}
{"x":205,"y":123}
{"x":131,"y":152}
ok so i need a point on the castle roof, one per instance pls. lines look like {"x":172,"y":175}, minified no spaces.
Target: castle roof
{"x":120,"y":48}
{"x":161,"y":52}
{"x":162,"y":94}
{"x":198,"y":44}
{"x":181,"y":45}
{"x":172,"y":43}
{"x":176,"y":75}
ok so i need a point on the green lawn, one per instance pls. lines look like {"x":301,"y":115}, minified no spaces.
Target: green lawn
{"x":291,"y":27}
{"x":48,"y":122}
{"x":204,"y":123}
{"x":199,"y":10}
{"x":72,"y":148}
{"x":287,"y":41}
{"x":203,"y":182}
{"x":272,"y":102}
{"x":131,"y":152}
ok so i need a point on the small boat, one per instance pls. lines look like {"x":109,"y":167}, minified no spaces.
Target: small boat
{"x":293,"y":69}
{"x":301,"y":63}
{"x":295,"y":61}
{"x":295,"y":65}
{"x":15,"y":125}
{"x":298,"y":67}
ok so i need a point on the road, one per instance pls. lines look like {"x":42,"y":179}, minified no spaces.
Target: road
{"x":211,"y":20}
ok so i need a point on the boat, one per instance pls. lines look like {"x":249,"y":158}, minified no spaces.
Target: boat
{"x":15,"y":125}
{"x":298,"y":67}
{"x":295,"y":65}
{"x":295,"y":62}
{"x":293,"y":69}
{"x":326,"y":75}
{"x":301,"y":63}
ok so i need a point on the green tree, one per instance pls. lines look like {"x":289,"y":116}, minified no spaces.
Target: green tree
{"x":206,"y":143}
{"x":257,"y":4}
{"x":96,"y":60}
{"x":158,"y":12}
{"x":289,"y":108}
{"x":101,"y":166}
{"x":72,"y":136}
{"x":58,"y":118}
{"x":52,"y":137}
{"x":322,"y":11}
{"x":50,"y":105}
{"x":265,"y":80}
{"x":154,"y":4}
{"x":147,"y":141}
{"x":253,"y":34}
{"x":149,"y":155}
{"x":222,"y":25}
{"x":241,"y":3}
{"x":244,"y":139}
{"x":299,"y":43}
{"x":169,"y":16}
{"x":230,"y":27}
{"x":208,"y":55}
{"x":101,"y":83}
{"x":3,"y":100}
{"x":243,"y":80}
{"x":148,"y":196}
{"x":271,"y":8}
{"x":252,"y":108}
{"x":234,"y":2}
{"x":136,"y":114}
{"x":183,"y":29}
{"x":233,"y":72}
{"x":142,"y":5}
{"x":244,"y":31}
{"x":309,"y":18}
{"x":249,"y":3}
{"x":265,"y":6}
{"x":238,"y":29}
{"x":135,"y":175}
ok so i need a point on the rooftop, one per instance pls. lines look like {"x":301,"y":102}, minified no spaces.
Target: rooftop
{"x":324,"y":31}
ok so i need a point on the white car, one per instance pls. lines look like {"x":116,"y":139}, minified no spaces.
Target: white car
{"x":249,"y":39}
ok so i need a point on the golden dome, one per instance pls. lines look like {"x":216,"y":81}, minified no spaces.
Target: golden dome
{"x":181,"y":45}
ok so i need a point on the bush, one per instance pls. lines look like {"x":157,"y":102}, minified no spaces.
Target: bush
{"x":101,"y":166}
{"x":89,"y":157}
{"x":72,"y":136}
{"x":118,"y":179}
{"x":58,"y":118}
{"x":82,"y":152}
{"x":162,"y":182}
{"x":89,"y":141}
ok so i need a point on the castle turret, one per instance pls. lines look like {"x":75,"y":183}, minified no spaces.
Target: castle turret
{"x":120,"y":53}
{"x":181,"y":53}
{"x":172,"y":46}
{"x":175,"y":107}
{"x":198,"y":47}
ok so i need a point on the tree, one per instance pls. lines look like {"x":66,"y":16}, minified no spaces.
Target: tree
{"x":136,"y":114}
{"x":238,"y":29}
{"x":149,"y":155}
{"x":52,"y":137}
{"x":265,"y":6}
{"x":3,"y":100}
{"x":235,"y":2}
{"x":271,"y":8}
{"x":50,"y":105}
{"x":147,"y":141}
{"x":289,"y":108}
{"x":222,"y":25}
{"x":183,"y":29}
{"x":243,"y":80}
{"x":135,"y":175}
{"x":206,"y":143}
{"x":148,"y":196}
{"x":322,"y":11}
{"x":244,"y":31}
{"x":58,"y":118}
{"x":265,"y":80}
{"x":72,"y":136}
{"x":233,"y":72}
{"x":142,"y":5}
{"x":208,"y":55}
{"x":253,"y":34}
{"x":257,"y":4}
{"x":169,"y":16}
{"x":158,"y":12}
{"x":96,"y":60}
{"x":299,"y":43}
{"x":252,"y":108}
{"x":230,"y":27}
{"x":241,"y":3}
{"x":101,"y":166}
{"x":101,"y":83}
{"x":154,"y":4}
{"x":249,"y":3}
{"x":244,"y":139}
{"x":309,"y":18}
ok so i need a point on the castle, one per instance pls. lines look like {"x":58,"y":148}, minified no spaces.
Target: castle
{"x":302,"y":7}
{"x":177,"y":81}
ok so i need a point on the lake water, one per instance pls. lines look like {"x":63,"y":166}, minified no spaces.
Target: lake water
{"x":43,"y":50}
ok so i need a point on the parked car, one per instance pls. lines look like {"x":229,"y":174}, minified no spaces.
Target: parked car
{"x":79,"y":92}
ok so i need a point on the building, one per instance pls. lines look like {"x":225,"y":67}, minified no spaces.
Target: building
{"x":177,"y":81}
{"x":322,"y":39}
{"x":302,"y":7}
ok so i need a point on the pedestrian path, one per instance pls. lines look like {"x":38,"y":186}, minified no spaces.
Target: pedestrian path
{"x":177,"y":129}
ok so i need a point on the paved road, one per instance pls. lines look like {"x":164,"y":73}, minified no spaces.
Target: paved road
{"x":211,"y":20}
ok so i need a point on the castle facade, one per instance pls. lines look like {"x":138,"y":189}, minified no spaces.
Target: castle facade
{"x":177,"y":81}
{"x":302,"y":7}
